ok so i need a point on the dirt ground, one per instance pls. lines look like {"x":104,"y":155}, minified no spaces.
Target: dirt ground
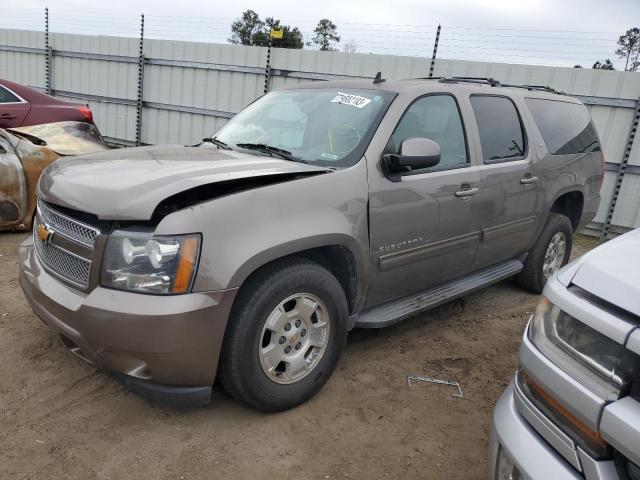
{"x":60,"y":418}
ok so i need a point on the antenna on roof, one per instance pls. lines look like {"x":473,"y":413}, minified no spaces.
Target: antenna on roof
{"x":378,"y":78}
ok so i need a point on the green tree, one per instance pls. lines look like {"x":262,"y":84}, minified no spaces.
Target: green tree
{"x":249,"y":29}
{"x":604,"y":65}
{"x":629,"y":49}
{"x":244,"y":29}
{"x":326,"y":33}
{"x":291,"y":36}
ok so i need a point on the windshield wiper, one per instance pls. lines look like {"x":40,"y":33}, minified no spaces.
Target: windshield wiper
{"x":281,"y":152}
{"x":217,"y":142}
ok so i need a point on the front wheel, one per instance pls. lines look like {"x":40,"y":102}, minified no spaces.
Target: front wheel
{"x":549,"y":254}
{"x":286,"y":332}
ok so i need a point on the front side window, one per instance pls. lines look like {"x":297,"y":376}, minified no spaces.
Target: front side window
{"x":437,"y":118}
{"x":7,"y":97}
{"x":324,"y":126}
{"x":501,"y":135}
{"x":565,"y":127}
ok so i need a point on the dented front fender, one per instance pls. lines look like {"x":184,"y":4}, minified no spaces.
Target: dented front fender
{"x":21,"y":163}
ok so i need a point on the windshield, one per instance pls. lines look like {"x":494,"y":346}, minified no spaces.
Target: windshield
{"x":321,"y":126}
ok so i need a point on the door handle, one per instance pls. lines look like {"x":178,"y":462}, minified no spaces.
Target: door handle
{"x":528,"y":180}
{"x":467,"y":192}
{"x":7,"y":116}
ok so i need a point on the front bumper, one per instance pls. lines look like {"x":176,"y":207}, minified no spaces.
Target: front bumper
{"x":534,"y":458}
{"x":163,"y":347}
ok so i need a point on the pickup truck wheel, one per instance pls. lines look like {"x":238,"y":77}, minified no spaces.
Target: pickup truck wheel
{"x":286,"y":332}
{"x":551,"y":251}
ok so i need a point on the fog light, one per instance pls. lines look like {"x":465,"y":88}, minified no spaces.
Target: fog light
{"x":505,"y":468}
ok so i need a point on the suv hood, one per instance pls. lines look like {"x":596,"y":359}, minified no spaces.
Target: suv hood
{"x":610,"y":272}
{"x":128,"y":184}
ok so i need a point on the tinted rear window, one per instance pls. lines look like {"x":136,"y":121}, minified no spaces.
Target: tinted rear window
{"x":500,"y":129}
{"x":7,"y":97}
{"x":565,"y":127}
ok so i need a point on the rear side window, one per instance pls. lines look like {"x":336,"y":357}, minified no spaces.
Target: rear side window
{"x":7,"y":97}
{"x":501,"y":135}
{"x":565,"y":127}
{"x":437,"y":118}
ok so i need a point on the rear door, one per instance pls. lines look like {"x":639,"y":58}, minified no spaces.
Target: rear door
{"x":13,"y":109}
{"x":510,"y":180}
{"x":424,"y":226}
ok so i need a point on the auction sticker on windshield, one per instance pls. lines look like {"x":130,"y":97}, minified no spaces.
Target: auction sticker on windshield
{"x":353,"y":100}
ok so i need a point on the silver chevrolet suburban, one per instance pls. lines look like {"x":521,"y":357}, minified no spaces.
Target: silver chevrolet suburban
{"x":573,"y":409}
{"x":316,"y":209}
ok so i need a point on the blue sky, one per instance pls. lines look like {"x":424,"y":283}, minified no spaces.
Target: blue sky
{"x":517,"y":31}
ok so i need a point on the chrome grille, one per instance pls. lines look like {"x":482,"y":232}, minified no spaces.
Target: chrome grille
{"x":73,"y":229}
{"x":62,"y":263}
{"x":67,"y":246}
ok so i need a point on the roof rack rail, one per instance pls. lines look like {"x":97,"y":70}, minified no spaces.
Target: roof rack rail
{"x":544,"y":88}
{"x":482,"y":80}
{"x":496,"y":83}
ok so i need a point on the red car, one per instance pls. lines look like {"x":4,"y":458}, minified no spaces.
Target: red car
{"x":22,"y":106}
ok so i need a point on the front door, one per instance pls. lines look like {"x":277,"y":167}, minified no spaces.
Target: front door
{"x":510,"y":181}
{"x":425,"y":226}
{"x":13,"y":109}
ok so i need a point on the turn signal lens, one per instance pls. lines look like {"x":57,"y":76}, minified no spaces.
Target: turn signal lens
{"x":581,"y":433}
{"x":186,"y":265}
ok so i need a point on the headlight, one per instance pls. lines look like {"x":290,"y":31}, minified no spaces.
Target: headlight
{"x":594,"y":360}
{"x":140,"y":262}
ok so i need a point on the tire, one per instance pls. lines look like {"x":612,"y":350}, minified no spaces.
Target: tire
{"x":533,"y":277}
{"x":283,"y":293}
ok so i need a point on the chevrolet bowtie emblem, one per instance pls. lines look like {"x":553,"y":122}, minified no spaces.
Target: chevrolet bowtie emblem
{"x":44,"y":233}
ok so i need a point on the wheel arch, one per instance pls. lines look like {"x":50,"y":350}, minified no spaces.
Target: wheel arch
{"x":336,"y":253}
{"x":569,"y":203}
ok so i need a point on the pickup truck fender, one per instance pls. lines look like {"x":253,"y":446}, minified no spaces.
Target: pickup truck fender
{"x":246,"y":230}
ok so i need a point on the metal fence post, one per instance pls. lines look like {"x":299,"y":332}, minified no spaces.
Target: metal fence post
{"x":48,"y":59}
{"x":267,"y":71}
{"x":435,"y":51}
{"x":622,"y":168}
{"x":139,"y":100}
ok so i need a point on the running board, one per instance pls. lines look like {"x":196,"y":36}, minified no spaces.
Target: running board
{"x":396,"y":311}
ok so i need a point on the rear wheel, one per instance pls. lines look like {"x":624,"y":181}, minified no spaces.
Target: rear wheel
{"x":549,"y":254}
{"x":286,"y":332}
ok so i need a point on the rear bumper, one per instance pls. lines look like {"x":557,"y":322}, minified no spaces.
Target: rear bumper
{"x":157,"y":346}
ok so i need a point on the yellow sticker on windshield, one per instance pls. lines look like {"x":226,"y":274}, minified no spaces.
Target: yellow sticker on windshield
{"x":353,"y":100}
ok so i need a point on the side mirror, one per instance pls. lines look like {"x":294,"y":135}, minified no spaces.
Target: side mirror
{"x":415,"y":154}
